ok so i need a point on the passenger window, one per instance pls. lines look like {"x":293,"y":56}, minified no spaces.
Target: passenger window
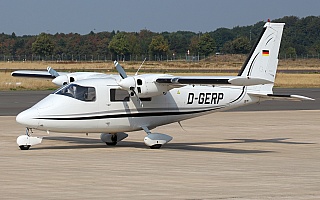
{"x":81,"y":93}
{"x":146,"y":99}
{"x":119,"y":95}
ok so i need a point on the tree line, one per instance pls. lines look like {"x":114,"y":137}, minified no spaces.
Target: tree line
{"x":301,"y":36}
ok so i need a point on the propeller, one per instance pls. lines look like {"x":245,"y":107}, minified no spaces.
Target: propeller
{"x":127,"y":83}
{"x":53,"y":72}
{"x":120,"y":70}
{"x":58,"y":80}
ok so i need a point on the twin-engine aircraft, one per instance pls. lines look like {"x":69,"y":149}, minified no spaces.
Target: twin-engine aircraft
{"x":115,"y":104}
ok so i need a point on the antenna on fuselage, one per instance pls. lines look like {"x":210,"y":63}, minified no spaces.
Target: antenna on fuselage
{"x":181,"y":126}
{"x":140,"y":66}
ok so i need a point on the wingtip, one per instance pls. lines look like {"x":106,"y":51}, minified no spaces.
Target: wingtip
{"x":303,"y":97}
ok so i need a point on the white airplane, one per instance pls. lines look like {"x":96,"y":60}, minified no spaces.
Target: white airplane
{"x":115,"y":104}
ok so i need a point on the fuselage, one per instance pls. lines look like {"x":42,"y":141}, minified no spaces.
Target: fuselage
{"x":100,"y":106}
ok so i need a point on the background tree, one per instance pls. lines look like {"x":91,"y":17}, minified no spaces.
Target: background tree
{"x":301,"y":34}
{"x":194,"y":44}
{"x":291,"y":52}
{"x":206,"y":44}
{"x":43,"y":45}
{"x":119,"y":45}
{"x":227,"y":47}
{"x":241,"y":45}
{"x":134,"y":46}
{"x":315,"y":48}
{"x":179,"y":41}
{"x":158,"y":46}
{"x":221,"y":36}
{"x":144,"y":39}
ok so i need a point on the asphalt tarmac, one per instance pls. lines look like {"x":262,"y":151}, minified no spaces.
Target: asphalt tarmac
{"x":261,"y":154}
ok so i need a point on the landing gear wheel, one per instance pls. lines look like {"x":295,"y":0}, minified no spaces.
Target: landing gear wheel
{"x":156,"y":146}
{"x":24,"y":147}
{"x":111,"y":143}
{"x":114,"y":139}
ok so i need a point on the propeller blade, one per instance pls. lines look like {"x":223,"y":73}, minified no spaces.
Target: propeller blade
{"x":53,"y":72}
{"x":120,"y":70}
{"x":138,"y":99}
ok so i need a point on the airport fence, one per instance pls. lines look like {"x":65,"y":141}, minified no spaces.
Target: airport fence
{"x":99,"y":58}
{"x":138,"y":58}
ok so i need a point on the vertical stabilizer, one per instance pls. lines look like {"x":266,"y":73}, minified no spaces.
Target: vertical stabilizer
{"x":263,"y":59}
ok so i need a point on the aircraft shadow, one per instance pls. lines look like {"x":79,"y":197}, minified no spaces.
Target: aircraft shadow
{"x":274,"y":140}
{"x":81,"y":143}
{"x":87,"y":143}
{"x":200,"y":145}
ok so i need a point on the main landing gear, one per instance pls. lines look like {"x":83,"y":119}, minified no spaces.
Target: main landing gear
{"x":26,"y":141}
{"x":112,"y":139}
{"x":155,"y":140}
{"x":152,"y":140}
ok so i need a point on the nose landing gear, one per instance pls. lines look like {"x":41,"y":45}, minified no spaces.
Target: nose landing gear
{"x":26,"y":141}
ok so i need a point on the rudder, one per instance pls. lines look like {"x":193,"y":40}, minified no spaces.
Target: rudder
{"x":262,"y":61}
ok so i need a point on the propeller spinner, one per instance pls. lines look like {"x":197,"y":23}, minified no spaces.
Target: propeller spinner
{"x":127,"y":83}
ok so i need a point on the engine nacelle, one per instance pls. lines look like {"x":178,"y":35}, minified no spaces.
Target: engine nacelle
{"x":61,"y":80}
{"x":146,"y":86}
{"x":72,"y":77}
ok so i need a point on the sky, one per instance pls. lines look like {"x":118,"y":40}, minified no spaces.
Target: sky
{"x":31,"y":17}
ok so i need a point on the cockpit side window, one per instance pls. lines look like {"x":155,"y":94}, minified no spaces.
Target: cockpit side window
{"x":81,"y":93}
{"x":119,"y":95}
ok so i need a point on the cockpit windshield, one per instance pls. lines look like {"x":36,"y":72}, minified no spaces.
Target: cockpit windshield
{"x":81,"y":93}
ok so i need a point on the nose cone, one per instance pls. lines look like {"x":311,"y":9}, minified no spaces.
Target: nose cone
{"x":60,"y":80}
{"x":127,"y":83}
{"x":29,"y":118}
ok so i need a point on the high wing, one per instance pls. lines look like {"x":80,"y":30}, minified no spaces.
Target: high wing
{"x":38,"y":74}
{"x":213,"y":80}
{"x":58,"y":78}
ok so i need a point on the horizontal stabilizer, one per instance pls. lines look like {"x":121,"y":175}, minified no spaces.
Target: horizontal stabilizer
{"x":281,"y":97}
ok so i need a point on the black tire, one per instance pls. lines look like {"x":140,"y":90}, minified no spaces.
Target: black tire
{"x":24,"y":147}
{"x":114,"y":139}
{"x":111,"y":143}
{"x":156,"y":146}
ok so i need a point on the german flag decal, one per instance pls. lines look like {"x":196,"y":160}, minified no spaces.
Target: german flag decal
{"x":265,"y":52}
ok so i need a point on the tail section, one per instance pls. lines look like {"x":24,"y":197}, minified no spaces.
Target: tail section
{"x":262,"y":64}
{"x":263,"y":59}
